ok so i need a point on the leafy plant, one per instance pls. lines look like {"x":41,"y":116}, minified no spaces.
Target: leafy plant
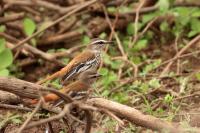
{"x":2,"y":28}
{"x":151,"y":66}
{"x":168,"y":99}
{"x":85,"y":40}
{"x":29,"y":28}
{"x":6,"y":58}
{"x":9,"y":117}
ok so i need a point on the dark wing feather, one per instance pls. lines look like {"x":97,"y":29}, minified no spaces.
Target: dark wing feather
{"x":75,"y":66}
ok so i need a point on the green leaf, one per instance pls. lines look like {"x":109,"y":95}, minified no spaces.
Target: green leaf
{"x":103,"y":71}
{"x":195,"y":28}
{"x":144,"y":88}
{"x":197,"y":76}
{"x":112,"y":9}
{"x":17,"y":121}
{"x":151,"y":66}
{"x":116,"y":64}
{"x":192,"y":33}
{"x":121,"y":97}
{"x":164,"y":26}
{"x":124,"y":9}
{"x":163,"y":5}
{"x":136,"y":59}
{"x":2,"y":44}
{"x":103,"y":35}
{"x":6,"y":58}
{"x":106,"y":59}
{"x":148,"y":17}
{"x":85,"y":40}
{"x":168,"y":98}
{"x":195,"y":24}
{"x":196,"y":13}
{"x":105,"y":93}
{"x":4,"y":72}
{"x":155,"y":83}
{"x":141,"y":44}
{"x":131,"y":28}
{"x":29,"y":26}
{"x":2,"y":28}
{"x":109,"y":78}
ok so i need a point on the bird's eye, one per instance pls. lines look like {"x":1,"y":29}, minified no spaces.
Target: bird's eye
{"x":101,"y":42}
{"x":98,"y":42}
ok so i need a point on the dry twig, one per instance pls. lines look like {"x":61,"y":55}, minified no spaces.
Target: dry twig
{"x":11,"y":18}
{"x":55,"y":22}
{"x":120,"y":110}
{"x":134,"y":39}
{"x":30,"y":117}
{"x":193,"y":41}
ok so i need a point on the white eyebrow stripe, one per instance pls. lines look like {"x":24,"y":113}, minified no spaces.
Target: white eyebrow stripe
{"x":97,"y":41}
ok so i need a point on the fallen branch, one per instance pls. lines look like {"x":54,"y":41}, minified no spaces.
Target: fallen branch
{"x":26,"y":89}
{"x":9,"y":98}
{"x":11,"y":18}
{"x":7,"y":106}
{"x":59,"y":38}
{"x":135,"y":116}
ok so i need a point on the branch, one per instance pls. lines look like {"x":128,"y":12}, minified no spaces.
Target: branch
{"x":55,"y":22}
{"x":30,"y":117}
{"x":11,"y":18}
{"x":19,"y":87}
{"x":30,"y":90}
{"x":135,"y":116}
{"x":186,"y":47}
{"x":53,"y":118}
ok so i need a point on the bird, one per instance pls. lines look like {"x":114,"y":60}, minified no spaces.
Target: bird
{"x":81,"y":85}
{"x":89,"y":59}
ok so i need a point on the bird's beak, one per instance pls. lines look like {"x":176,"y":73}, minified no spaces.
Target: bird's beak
{"x":110,"y":42}
{"x":97,"y":75}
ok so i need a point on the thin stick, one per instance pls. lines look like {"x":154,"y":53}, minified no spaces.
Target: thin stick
{"x":129,"y":62}
{"x":121,"y":123}
{"x":193,"y":41}
{"x":13,"y":17}
{"x":30,"y":49}
{"x":30,"y":117}
{"x":53,"y":118}
{"x":181,"y":56}
{"x":54,"y":23}
{"x":134,"y":39}
{"x":7,"y":106}
{"x":113,"y":31}
{"x":89,"y":121}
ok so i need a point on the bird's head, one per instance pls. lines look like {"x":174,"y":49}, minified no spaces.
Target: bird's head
{"x":98,"y":44}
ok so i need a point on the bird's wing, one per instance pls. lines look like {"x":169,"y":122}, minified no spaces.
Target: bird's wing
{"x":80,"y":63}
{"x":75,"y":86}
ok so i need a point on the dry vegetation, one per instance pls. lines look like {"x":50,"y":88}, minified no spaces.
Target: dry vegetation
{"x":151,"y":76}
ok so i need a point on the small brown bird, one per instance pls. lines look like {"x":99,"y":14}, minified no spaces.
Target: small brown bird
{"x":82,"y":85}
{"x":87,"y":60}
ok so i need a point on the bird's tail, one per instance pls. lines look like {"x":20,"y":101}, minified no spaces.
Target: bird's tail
{"x":51,"y":96}
{"x":47,"y":98}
